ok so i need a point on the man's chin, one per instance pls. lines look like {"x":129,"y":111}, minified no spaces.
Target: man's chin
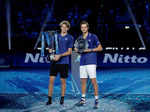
{"x":84,"y":31}
{"x":64,"y":31}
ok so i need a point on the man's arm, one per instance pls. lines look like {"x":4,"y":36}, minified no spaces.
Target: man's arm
{"x":69,"y":52}
{"x":97,"y":49}
{"x":57,"y":57}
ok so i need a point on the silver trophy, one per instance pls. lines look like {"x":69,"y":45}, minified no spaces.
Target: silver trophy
{"x":81,"y":44}
{"x":53,"y":44}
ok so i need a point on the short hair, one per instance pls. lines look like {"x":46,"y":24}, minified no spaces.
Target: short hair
{"x":84,"y":22}
{"x":66,"y":23}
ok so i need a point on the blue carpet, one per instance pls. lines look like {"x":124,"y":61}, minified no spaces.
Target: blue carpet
{"x":25,"y":90}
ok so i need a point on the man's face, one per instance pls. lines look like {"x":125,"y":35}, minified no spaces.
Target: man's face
{"x":64,"y":28}
{"x":84,"y":28}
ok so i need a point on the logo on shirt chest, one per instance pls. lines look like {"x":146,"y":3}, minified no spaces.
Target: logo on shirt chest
{"x":89,"y":40}
{"x":64,"y":39}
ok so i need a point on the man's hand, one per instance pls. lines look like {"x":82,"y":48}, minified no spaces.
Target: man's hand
{"x":57,"y":57}
{"x":76,"y":50}
{"x":50,"y":50}
{"x":87,"y":50}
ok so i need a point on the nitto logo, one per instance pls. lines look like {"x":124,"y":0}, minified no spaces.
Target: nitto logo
{"x":35,"y":59}
{"x":108,"y":58}
{"x":116,"y":58}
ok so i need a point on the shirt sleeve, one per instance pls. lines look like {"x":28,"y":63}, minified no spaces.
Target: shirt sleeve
{"x":70,"y":42}
{"x":96,"y":41}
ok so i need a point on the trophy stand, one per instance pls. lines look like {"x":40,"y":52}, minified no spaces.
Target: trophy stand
{"x":75,"y":77}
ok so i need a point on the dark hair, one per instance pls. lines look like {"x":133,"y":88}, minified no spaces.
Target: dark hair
{"x":84,"y":22}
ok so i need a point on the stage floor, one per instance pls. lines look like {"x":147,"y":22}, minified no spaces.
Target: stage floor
{"x":120,"y":90}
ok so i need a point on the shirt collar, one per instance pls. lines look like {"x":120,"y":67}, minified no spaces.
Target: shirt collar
{"x":87,"y":35}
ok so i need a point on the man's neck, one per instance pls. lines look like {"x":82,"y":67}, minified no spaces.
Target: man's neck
{"x":85,"y":35}
{"x":63,"y":33}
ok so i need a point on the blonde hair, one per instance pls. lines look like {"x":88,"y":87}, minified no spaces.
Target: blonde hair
{"x":66,"y":23}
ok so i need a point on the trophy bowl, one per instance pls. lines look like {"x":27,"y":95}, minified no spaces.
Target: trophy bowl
{"x":81,"y":44}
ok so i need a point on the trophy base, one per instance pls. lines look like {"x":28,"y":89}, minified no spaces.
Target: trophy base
{"x":51,"y":57}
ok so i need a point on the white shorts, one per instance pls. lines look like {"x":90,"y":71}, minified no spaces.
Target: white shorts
{"x":88,"y":70}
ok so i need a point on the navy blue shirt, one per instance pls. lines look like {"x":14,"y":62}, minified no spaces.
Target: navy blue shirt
{"x":64,"y":42}
{"x":91,"y":57}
